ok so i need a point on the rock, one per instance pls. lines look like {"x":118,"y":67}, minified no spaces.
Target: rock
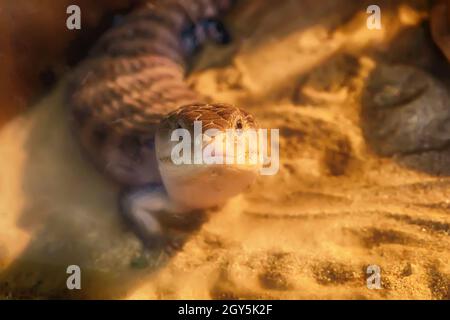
{"x":405,"y":110}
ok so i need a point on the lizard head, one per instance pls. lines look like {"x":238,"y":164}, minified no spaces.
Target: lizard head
{"x":207,"y":153}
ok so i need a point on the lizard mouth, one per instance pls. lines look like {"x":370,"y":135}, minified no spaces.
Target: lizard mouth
{"x":205,"y":186}
{"x":216,"y":157}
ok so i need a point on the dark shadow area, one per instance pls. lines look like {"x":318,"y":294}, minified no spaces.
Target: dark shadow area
{"x":38,"y":48}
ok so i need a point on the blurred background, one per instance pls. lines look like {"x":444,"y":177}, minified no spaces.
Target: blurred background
{"x":36,"y":47}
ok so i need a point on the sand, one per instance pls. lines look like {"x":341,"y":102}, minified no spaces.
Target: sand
{"x":309,"y":232}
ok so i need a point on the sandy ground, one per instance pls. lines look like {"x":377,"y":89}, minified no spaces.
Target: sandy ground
{"x":308,"y":232}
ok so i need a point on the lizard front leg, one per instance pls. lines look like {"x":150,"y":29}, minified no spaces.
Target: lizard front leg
{"x":159,"y":222}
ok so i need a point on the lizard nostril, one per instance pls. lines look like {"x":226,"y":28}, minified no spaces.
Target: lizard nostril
{"x":239,"y":124}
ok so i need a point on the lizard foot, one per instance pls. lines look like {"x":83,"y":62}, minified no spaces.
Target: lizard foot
{"x":161,"y":224}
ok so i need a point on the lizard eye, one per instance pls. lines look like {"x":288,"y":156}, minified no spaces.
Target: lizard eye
{"x":239,"y":125}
